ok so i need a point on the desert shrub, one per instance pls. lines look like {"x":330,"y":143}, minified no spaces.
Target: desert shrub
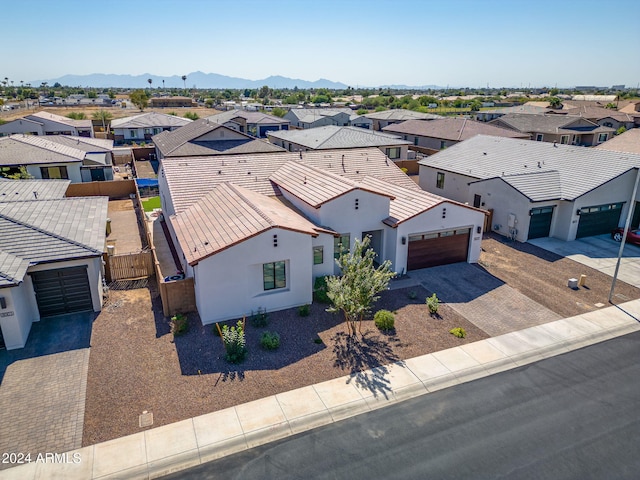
{"x":384,"y":320}
{"x":304,"y":310}
{"x":317,"y":340}
{"x":433,"y":302}
{"x":260,"y":318}
{"x":191,"y":116}
{"x":412,"y":295}
{"x":234,"y":343}
{"x":320,"y":290}
{"x":458,"y":332}
{"x":179,"y":324}
{"x":270,"y":340}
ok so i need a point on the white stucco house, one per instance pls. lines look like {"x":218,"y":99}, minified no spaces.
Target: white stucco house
{"x":141,"y":127}
{"x":45,"y":123}
{"x":537,"y":189}
{"x":50,"y":255}
{"x":256,"y":231}
{"x":78,"y":159}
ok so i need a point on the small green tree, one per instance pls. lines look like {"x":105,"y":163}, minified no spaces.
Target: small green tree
{"x":139,"y":98}
{"x":77,"y":115}
{"x":103,"y":116}
{"x":621,"y":130}
{"x":555,"y":102}
{"x":191,"y":116}
{"x":22,"y":174}
{"x":357,"y":288}
{"x":278,"y":112}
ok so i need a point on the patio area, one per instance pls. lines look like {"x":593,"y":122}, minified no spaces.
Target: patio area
{"x":125,"y":234}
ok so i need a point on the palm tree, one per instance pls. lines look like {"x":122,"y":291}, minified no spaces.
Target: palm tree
{"x":184,"y":79}
{"x":103,"y":116}
{"x":163,"y":84}
{"x":150,"y":81}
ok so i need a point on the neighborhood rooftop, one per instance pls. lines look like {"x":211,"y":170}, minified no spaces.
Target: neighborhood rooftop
{"x":548,"y":123}
{"x":253,"y":171}
{"x":35,"y":149}
{"x":543,"y":170}
{"x":332,"y":137}
{"x":400,"y":114}
{"x":21,"y":190}
{"x":250,"y":117}
{"x":60,"y":119}
{"x":455,"y":129}
{"x":150,"y":120}
{"x":628,"y":141}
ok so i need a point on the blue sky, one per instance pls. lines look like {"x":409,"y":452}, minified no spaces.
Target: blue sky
{"x":477,"y":43}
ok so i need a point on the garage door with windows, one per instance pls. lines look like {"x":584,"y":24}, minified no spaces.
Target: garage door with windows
{"x":63,"y":290}
{"x":540,"y":222}
{"x":433,"y":249}
{"x":598,"y":219}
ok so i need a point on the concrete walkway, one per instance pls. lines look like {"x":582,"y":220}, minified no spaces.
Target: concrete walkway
{"x":600,"y":253}
{"x":184,"y":444}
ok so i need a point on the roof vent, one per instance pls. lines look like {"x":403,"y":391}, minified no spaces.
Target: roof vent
{"x":539,"y":165}
{"x":305,"y":180}
{"x":484,"y":153}
{"x":555,"y":144}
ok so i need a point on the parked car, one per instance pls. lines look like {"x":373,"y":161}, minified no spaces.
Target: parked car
{"x":633,"y":236}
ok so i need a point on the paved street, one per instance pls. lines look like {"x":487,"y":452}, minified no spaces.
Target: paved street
{"x":572,"y":416}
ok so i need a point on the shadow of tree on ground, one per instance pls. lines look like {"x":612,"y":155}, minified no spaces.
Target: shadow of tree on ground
{"x":365,"y":357}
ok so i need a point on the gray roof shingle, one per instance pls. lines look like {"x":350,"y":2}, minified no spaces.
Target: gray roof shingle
{"x":332,"y":137}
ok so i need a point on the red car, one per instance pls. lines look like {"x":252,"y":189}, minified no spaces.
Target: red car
{"x":633,"y":236}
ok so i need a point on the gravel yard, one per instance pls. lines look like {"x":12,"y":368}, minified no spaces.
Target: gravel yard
{"x":135,"y":365}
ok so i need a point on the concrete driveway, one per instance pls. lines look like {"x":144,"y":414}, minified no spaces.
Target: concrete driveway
{"x":43,"y":387}
{"x":600,"y":253}
{"x":483,"y":299}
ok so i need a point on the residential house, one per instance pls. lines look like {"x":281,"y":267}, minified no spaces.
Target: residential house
{"x":331,"y":137}
{"x":140,"y":128}
{"x":318,"y":117}
{"x":555,"y":128}
{"x":255,"y":232}
{"x":398,"y":115}
{"x":172,"y":102}
{"x":488,"y":115}
{"x":45,"y":123}
{"x":430,"y":137}
{"x":204,"y":138}
{"x":256,"y":124}
{"x":78,"y":159}
{"x":360,"y":121}
{"x":605,"y":117}
{"x":50,"y":255}
{"x":628,"y":141}
{"x":537,"y":189}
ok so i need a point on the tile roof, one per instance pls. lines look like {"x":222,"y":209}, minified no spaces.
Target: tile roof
{"x":598,"y":113}
{"x":83,"y":143}
{"x":628,"y":141}
{"x":253,"y":171}
{"x":34,"y":149}
{"x":454,"y":129}
{"x":149,"y":120}
{"x":526,"y":109}
{"x":21,"y":190}
{"x":399,"y":114}
{"x":310,"y":115}
{"x":406,"y":203}
{"x":257,"y":118}
{"x":315,"y":186}
{"x":59,"y":119}
{"x":41,"y":231}
{"x":184,"y":142}
{"x":12,"y":269}
{"x":333,"y":136}
{"x":548,"y":123}
{"x":580,"y":169}
{"x":230,"y":214}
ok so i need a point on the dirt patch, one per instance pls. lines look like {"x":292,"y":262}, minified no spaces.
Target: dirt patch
{"x":542,"y":276}
{"x":136,"y":365}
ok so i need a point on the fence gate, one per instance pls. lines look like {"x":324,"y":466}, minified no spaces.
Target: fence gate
{"x":130,"y":265}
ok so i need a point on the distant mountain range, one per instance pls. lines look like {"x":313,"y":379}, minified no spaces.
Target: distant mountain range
{"x":197,"y":79}
{"x":202,"y":80}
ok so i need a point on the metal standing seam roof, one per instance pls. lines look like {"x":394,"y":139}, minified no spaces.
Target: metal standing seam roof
{"x":230,"y":214}
{"x":398,"y":114}
{"x":183,"y":142}
{"x":580,"y":169}
{"x":548,"y":123}
{"x":315,"y":186}
{"x":253,"y":171}
{"x":333,"y":136}
{"x":150,"y":120}
{"x":257,"y":118}
{"x":59,"y":119}
{"x":22,"y":190}
{"x":34,"y":149}
{"x":454,"y":129}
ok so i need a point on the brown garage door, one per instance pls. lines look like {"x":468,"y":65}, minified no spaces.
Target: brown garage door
{"x":432,"y":249}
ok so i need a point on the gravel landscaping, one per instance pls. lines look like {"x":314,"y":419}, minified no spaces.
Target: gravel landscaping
{"x":135,"y":364}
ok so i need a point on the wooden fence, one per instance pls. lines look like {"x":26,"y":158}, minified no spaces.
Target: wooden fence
{"x":129,"y":266}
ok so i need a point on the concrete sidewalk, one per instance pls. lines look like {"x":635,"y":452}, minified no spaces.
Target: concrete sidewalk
{"x":171,"y":448}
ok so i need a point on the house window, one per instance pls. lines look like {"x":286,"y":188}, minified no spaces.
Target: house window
{"x":54,"y":173}
{"x":564,"y":139}
{"x":156,"y":131}
{"x":318,"y":255}
{"x":133,"y":133}
{"x":602,"y":137}
{"x":440,"y":180}
{"x":341,"y":244}
{"x":539,"y":137}
{"x":443,"y":144}
{"x":393,"y":153}
{"x":274,"y":275}
{"x":147,"y":131}
{"x":415,"y":140}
